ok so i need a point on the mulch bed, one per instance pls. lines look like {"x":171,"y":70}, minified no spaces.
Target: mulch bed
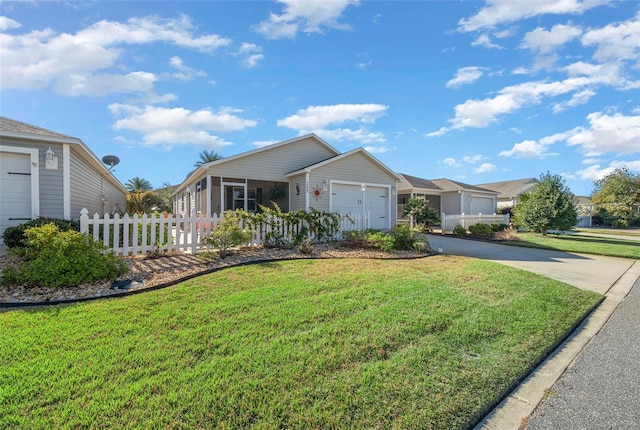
{"x":150,"y":272}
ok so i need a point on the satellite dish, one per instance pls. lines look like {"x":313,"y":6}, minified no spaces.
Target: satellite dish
{"x":110,"y":160}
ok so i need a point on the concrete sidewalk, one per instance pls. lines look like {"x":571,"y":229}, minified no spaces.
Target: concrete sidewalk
{"x":613,"y":277}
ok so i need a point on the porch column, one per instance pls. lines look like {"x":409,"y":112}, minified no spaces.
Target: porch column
{"x":208,"y":193}
{"x":306,"y":191}
{"x":221,"y":197}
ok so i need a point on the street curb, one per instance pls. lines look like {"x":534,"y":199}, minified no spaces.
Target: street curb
{"x":521,"y":403}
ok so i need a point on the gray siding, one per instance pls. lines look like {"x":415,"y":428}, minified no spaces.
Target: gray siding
{"x":451,"y":203}
{"x":87,"y":187}
{"x":297,"y":194}
{"x":273,"y":164}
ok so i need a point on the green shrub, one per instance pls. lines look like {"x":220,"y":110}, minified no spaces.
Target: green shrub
{"x":57,"y":258}
{"x":481,"y":230}
{"x":228,"y":234}
{"x":381,"y":240}
{"x":406,"y":238}
{"x":495,"y":227}
{"x":619,"y":223}
{"x":14,"y":236}
{"x":460,"y":231}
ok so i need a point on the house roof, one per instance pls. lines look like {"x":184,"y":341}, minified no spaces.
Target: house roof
{"x":10,"y":128}
{"x":329,"y":160}
{"x":440,"y":185}
{"x":511,"y":189}
{"x":582,"y":200}
{"x":204,"y":167}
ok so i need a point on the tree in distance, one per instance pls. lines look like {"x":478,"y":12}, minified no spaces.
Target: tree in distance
{"x":138,"y":184}
{"x":548,"y":206}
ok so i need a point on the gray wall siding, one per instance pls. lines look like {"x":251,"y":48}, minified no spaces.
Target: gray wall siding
{"x":297,"y":195}
{"x":273,"y":164}
{"x":87,"y":187}
{"x":451,"y":203}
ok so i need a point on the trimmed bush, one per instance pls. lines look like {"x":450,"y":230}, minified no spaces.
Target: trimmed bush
{"x":460,"y":231}
{"x":14,"y":236}
{"x":481,"y":230}
{"x":57,"y":258}
{"x":228,"y":234}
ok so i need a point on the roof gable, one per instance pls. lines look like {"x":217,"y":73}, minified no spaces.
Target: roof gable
{"x":335,"y":158}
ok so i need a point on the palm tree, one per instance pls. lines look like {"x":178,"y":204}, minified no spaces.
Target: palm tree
{"x":138,"y":184}
{"x":207,"y":157}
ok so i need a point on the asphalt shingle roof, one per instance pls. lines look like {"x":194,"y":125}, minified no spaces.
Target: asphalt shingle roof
{"x":11,"y":125}
{"x":509,"y":189}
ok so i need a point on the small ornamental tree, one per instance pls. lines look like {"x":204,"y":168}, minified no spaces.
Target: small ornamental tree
{"x":548,"y":206}
{"x":421,"y":212}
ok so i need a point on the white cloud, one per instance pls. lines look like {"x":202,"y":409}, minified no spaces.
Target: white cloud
{"x":318,"y":119}
{"x":608,"y":133}
{"x":185,"y":73}
{"x":179,"y":126}
{"x":527,"y":149}
{"x":305,"y":16}
{"x":252,"y":55}
{"x":485,"y":41}
{"x":8,"y":23}
{"x":465,"y":75}
{"x":377,"y":149}
{"x":614,"y":42}
{"x":473,"y":159}
{"x":546,"y":41}
{"x":39,"y":59}
{"x":103,"y":84}
{"x":498,"y":12}
{"x":485,"y":168}
{"x":583,"y":78}
{"x":595,"y":172}
{"x":321,"y":116}
{"x":451,"y":162}
{"x":578,"y":98}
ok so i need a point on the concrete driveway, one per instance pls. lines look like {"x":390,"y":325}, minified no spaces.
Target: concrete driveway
{"x":588,"y":272}
{"x":613,"y":277}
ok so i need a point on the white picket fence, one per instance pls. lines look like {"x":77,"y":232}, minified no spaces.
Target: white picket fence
{"x":449,"y":222}
{"x":140,"y":234}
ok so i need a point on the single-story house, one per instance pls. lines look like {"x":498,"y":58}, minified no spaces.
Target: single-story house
{"x":447,"y":196}
{"x":50,"y":174}
{"x":509,"y":192}
{"x":297,"y":174}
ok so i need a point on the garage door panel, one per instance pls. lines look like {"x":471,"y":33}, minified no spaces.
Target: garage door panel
{"x":15,"y":189}
{"x":349,"y":199}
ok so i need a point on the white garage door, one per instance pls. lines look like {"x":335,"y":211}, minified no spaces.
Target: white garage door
{"x":348,"y":199}
{"x":15,"y":189}
{"x":482,"y":205}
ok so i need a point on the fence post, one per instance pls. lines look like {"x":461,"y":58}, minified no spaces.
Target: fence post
{"x":84,"y":221}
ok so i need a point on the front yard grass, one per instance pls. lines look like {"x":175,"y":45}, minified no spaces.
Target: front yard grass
{"x":429,"y":343}
{"x":612,"y":247}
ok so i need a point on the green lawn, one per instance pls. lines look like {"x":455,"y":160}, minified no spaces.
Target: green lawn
{"x":428,"y":343}
{"x":612,"y":231}
{"x":612,"y":247}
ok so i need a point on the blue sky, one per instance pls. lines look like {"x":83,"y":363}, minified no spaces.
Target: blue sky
{"x":466,"y":90}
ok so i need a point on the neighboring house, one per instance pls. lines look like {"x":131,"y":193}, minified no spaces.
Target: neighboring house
{"x":49,"y":174}
{"x":509,"y":192}
{"x":585,"y":208}
{"x":447,"y":196}
{"x":302,"y":173}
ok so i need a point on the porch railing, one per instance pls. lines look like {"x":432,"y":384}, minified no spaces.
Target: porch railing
{"x":140,"y":234}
